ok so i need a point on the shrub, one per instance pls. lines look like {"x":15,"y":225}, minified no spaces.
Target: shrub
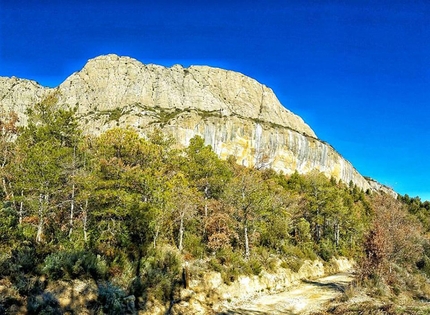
{"x":292,"y":263}
{"x":194,"y":245}
{"x":43,"y":304}
{"x":162,"y":273}
{"x":424,"y":265}
{"x":255,"y":266}
{"x":215,"y":265}
{"x":73,"y":265}
{"x":326,"y":250}
{"x":292,"y":251}
{"x":110,"y":298}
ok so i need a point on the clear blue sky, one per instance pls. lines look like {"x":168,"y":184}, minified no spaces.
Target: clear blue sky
{"x":358,"y":72}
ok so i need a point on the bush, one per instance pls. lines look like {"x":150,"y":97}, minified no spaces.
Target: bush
{"x":228,"y":256}
{"x":193,"y":244}
{"x":21,"y":267}
{"x":255,"y":266}
{"x":268,"y":260}
{"x":163,"y":273}
{"x":215,"y":265}
{"x":327,"y":250}
{"x":73,"y":265}
{"x":9,"y":230}
{"x":110,"y":298}
{"x":293,"y":263}
{"x":424,"y":265}
{"x":292,"y":251}
{"x":43,"y":304}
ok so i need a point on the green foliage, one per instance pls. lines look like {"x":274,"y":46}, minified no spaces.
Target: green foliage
{"x":255,"y":265}
{"x":22,"y":261}
{"x":9,"y":226}
{"x":110,"y":298}
{"x":424,"y":265}
{"x":326,"y":250}
{"x":129,"y":210}
{"x":45,"y":304}
{"x":292,"y":263}
{"x":162,"y":273}
{"x":194,"y":245}
{"x":73,"y":265}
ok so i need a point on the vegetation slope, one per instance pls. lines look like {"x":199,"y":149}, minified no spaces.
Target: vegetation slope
{"x":126,"y":213}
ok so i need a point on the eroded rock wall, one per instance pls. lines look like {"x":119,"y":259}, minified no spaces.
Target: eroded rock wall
{"x":264,"y":145}
{"x":235,"y":114}
{"x":108,"y":82}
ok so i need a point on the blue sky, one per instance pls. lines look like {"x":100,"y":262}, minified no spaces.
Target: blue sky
{"x":358,"y":72}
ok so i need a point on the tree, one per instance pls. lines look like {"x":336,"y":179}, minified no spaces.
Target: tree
{"x":206,"y":171}
{"x":220,"y":226}
{"x":249,"y":196}
{"x":8,"y":133}
{"x":394,"y":238}
{"x":183,"y":203}
{"x":45,"y":148}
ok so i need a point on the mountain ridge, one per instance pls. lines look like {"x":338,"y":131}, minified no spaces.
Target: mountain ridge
{"x":234,"y":114}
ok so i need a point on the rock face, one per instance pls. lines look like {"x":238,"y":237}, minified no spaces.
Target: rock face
{"x":109,"y":82}
{"x":19,"y":94}
{"x":235,"y":114}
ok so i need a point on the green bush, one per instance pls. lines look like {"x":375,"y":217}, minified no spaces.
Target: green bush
{"x":228,"y":256}
{"x":110,"y":298}
{"x":290,"y":250}
{"x":193,"y":244}
{"x":267,"y":259}
{"x":9,"y":230}
{"x":162,"y":273}
{"x":73,"y":265}
{"x":309,"y":253}
{"x":326,"y":250}
{"x":255,"y":265}
{"x":216,"y":265}
{"x":43,"y":304}
{"x":292,"y":263}
{"x":21,"y":267}
{"x":424,"y":265}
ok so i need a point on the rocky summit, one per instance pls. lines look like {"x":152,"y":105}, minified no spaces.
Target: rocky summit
{"x":233,"y":113}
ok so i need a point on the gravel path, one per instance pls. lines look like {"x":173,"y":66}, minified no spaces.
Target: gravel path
{"x":308,"y":296}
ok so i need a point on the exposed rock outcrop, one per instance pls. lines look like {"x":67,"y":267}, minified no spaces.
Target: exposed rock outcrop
{"x":235,"y":114}
{"x":109,"y":82}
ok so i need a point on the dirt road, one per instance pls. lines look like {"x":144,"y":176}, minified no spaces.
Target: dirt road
{"x":307,"y":297}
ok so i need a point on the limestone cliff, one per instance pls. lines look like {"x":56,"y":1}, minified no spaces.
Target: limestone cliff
{"x":235,"y":114}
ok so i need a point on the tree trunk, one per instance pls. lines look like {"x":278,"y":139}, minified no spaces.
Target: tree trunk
{"x":5,"y":188}
{"x":43,"y":199}
{"x":247,"y":253}
{"x":21,"y":208}
{"x":72,"y":202}
{"x":157,"y":232}
{"x":181,"y":231}
{"x":72,"y":209}
{"x":84,"y":219}
{"x":336,"y":233}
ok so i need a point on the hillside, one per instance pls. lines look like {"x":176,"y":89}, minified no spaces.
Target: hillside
{"x":233,"y":113}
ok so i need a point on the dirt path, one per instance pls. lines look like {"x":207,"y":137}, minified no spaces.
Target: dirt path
{"x":307,"y":297}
